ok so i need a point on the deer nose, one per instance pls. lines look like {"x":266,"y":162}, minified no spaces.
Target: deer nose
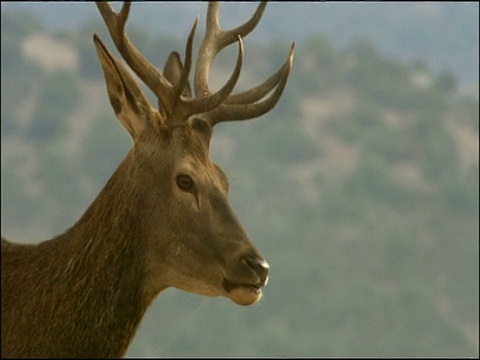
{"x":260,"y":266}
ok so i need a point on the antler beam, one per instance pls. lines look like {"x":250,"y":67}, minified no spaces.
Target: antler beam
{"x":137,"y":62}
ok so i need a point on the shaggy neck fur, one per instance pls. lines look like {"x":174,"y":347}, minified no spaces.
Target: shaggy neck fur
{"x":79,"y":294}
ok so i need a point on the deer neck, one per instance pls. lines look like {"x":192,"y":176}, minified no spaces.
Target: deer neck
{"x":103,"y":269}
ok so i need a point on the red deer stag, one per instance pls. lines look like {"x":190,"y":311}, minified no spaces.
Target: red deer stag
{"x":162,"y":220}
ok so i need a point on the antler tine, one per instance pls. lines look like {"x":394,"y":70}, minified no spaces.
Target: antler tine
{"x":215,"y":40}
{"x":254,"y":94}
{"x":205,"y":104}
{"x":244,"y":107}
{"x":229,"y":36}
{"x":139,"y":64}
{"x":183,"y":81}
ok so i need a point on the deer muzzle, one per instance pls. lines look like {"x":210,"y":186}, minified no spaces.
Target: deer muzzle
{"x":248,"y":292}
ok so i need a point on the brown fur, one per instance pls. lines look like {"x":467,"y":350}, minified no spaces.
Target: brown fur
{"x":80,"y":294}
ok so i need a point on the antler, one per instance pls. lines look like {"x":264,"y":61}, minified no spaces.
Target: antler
{"x":217,"y":107}
{"x":142,"y":67}
{"x":244,"y":105}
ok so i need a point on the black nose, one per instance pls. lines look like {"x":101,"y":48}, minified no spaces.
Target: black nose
{"x":260,"y":266}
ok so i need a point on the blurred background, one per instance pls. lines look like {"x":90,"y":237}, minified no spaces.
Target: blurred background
{"x":360,"y":188}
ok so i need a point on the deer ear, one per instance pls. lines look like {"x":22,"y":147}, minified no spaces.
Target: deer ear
{"x":172,"y":71}
{"x":130,"y":104}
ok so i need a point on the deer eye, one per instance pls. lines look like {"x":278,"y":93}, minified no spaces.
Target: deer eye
{"x":185,"y":182}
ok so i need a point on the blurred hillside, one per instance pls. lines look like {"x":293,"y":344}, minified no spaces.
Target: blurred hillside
{"x":443,"y":34}
{"x":360,"y":188}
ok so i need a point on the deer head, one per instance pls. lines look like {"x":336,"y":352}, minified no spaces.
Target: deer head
{"x":195,"y":241}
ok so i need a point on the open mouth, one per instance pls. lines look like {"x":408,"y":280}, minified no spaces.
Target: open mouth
{"x":243,"y":293}
{"x":229,"y":286}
